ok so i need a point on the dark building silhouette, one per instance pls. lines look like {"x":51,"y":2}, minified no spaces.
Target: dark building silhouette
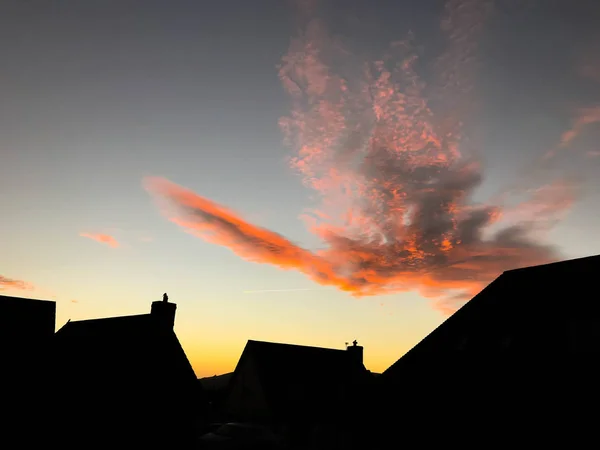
{"x":26,"y":321}
{"x":26,"y":332}
{"x":215,"y":389}
{"x":294,"y":387}
{"x":126,"y":380}
{"x":518,"y":362}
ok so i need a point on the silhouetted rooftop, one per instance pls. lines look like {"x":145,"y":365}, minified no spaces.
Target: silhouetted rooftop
{"x":26,"y":334}
{"x":26,"y":317}
{"x":138,"y":342}
{"x":134,"y":366}
{"x":519,"y":310}
{"x":216,"y":382}
{"x":25,"y":300}
{"x":110,"y":325}
{"x":290,"y":375}
{"x":569,"y":265}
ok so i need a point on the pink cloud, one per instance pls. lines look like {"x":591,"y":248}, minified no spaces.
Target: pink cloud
{"x":10,"y":283}
{"x":102,"y":238}
{"x":593,"y":154}
{"x":584,"y":117}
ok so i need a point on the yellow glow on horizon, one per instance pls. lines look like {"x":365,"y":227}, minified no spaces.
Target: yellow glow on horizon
{"x":222,"y":357}
{"x":214,"y":329}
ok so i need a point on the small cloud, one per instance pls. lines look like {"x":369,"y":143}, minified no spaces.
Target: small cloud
{"x":584,"y":117}
{"x":589,"y":63}
{"x":593,"y":154}
{"x":74,"y":301}
{"x":11,"y":283}
{"x":102,"y":238}
{"x":590,"y":71}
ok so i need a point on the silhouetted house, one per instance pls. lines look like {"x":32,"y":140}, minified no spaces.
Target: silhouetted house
{"x":521,"y":355}
{"x":285,"y":384}
{"x":216,"y":382}
{"x":27,"y":320}
{"x":26,"y":332}
{"x":26,"y":327}
{"x":126,"y":380}
{"x":215,"y":389}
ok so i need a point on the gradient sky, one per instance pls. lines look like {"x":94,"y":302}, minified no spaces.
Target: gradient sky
{"x":98,"y":96}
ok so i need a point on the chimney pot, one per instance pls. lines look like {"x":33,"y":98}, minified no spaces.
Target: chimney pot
{"x":356,"y":352}
{"x":164,"y":312}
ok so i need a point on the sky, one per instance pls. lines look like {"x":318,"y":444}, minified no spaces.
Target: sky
{"x":307,"y":172}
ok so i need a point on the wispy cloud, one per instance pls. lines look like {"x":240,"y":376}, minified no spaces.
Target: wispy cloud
{"x":583,"y":118}
{"x":593,"y":154}
{"x":589,"y":58}
{"x":12,"y":283}
{"x":102,"y":238}
{"x":395,"y":175}
{"x":588,"y":68}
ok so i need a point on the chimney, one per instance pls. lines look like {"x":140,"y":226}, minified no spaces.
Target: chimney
{"x":356,"y":352}
{"x":164,"y":312}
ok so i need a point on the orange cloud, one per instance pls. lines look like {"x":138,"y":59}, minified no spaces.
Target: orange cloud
{"x":10,"y":283}
{"x":394,"y":175}
{"x":361,"y":266}
{"x":102,"y":238}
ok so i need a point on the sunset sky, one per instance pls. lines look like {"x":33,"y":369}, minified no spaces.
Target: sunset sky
{"x":308,"y":172}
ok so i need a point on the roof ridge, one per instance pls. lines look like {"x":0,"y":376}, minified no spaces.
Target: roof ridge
{"x":97,"y":319}
{"x":561,"y":261}
{"x":29,"y":299}
{"x":295,"y":345}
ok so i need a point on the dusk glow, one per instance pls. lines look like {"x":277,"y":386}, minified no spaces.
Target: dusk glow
{"x":361,"y":169}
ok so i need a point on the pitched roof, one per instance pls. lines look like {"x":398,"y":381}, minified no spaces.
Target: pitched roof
{"x":122,"y":347}
{"x":525,"y":303}
{"x":129,"y":372}
{"x":291,"y":373}
{"x":108,"y":326}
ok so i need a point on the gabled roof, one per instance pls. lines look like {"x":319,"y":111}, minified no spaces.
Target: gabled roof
{"x":292,"y":373}
{"x":109,"y":326}
{"x":124,"y":379}
{"x":137,"y":346}
{"x":524,"y":303}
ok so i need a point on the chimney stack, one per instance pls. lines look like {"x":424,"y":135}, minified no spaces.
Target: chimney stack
{"x":164,"y":311}
{"x":356,"y":352}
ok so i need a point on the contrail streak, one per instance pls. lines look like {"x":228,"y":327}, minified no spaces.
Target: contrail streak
{"x":260,"y":291}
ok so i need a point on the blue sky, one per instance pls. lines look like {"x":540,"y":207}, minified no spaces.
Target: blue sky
{"x":95,"y":96}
